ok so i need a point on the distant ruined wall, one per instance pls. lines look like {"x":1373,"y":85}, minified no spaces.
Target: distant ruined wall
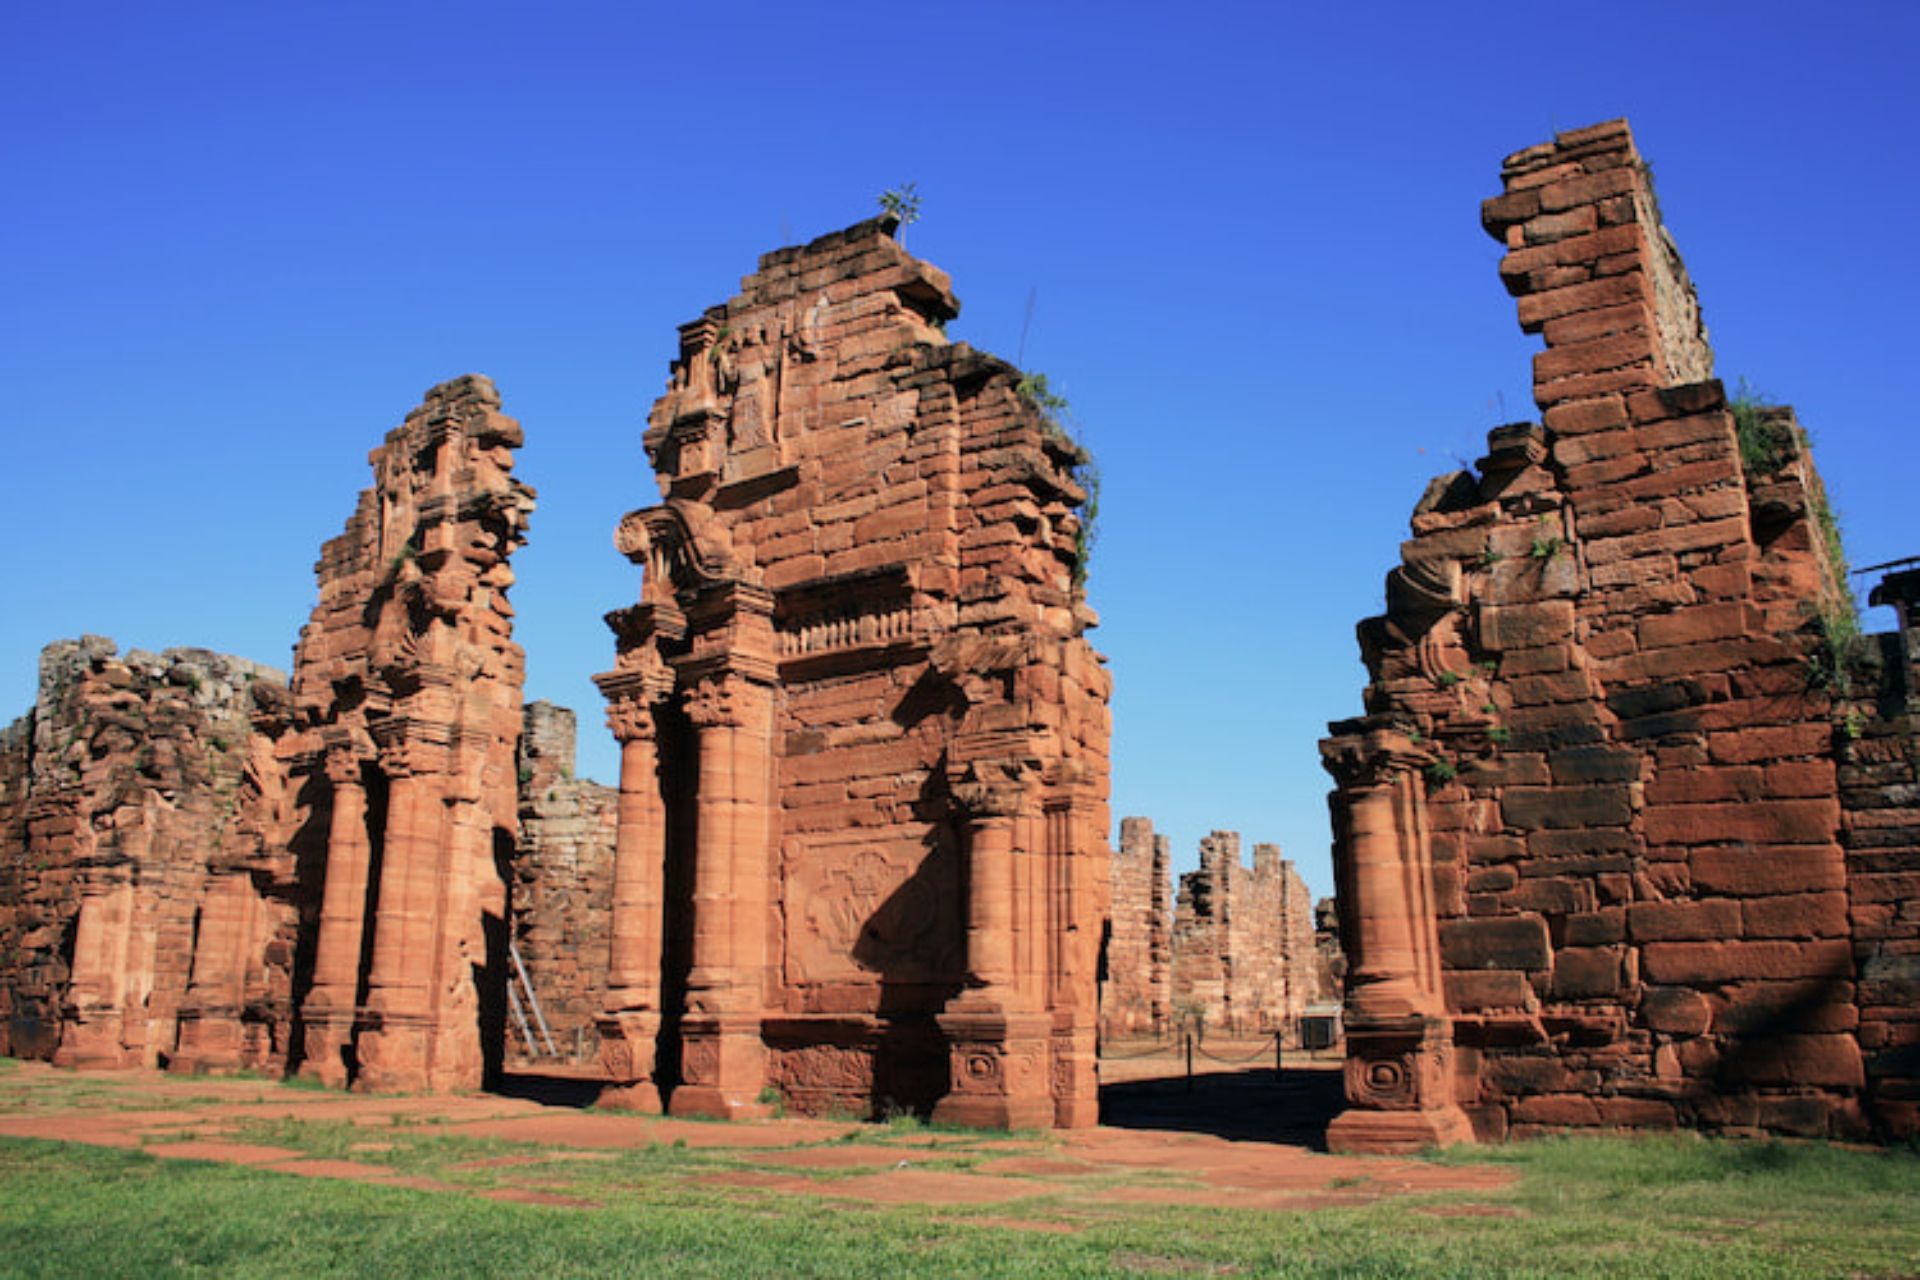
{"x":562,"y":889}
{"x":1243,"y":952}
{"x":1595,"y":864}
{"x":1135,"y":999}
{"x":127,"y":795}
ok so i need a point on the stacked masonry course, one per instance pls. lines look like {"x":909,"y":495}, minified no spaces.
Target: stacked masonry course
{"x":1612,"y":845}
{"x":131,"y":799}
{"x":205,"y":868}
{"x":562,"y":893}
{"x":861,"y":851}
{"x":1240,"y":953}
{"x":406,"y":689}
{"x":1135,"y":995}
{"x":1243,"y":956}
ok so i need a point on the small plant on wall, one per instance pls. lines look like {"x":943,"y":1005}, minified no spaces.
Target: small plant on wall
{"x":1055,"y":411}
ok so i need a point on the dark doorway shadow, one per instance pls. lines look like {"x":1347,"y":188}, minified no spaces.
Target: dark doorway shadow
{"x":549,"y":1089}
{"x":1252,"y":1104}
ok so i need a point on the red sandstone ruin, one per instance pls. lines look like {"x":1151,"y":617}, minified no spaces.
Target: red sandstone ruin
{"x":1243,"y":954}
{"x":1628,"y":834}
{"x":862,"y":852}
{"x":1238,"y":953}
{"x":562,"y":898}
{"x":406,"y":694}
{"x":1135,"y":992}
{"x":209,"y":870}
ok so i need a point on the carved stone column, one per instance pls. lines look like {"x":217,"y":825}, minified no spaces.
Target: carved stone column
{"x":630,"y":1025}
{"x":393,"y":1040}
{"x":723,"y":1058}
{"x":996,"y":1033}
{"x":328,"y":1015}
{"x":1400,"y":1057}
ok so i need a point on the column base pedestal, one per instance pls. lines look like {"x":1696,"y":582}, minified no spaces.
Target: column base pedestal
{"x":997,"y":1067}
{"x":1357,"y":1132}
{"x":627,"y":1051}
{"x":392,"y":1053}
{"x":1400,"y":1078}
{"x":722,"y":1068}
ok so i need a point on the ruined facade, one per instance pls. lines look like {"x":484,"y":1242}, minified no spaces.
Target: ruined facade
{"x":1135,"y":996}
{"x":862,"y":831}
{"x":130,"y":801}
{"x":562,"y":897}
{"x":1624,"y":838}
{"x":406,"y":696}
{"x":205,"y":868}
{"x":1243,"y":955}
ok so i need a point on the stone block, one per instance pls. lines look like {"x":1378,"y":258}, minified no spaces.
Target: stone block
{"x":1804,"y":915}
{"x":1586,"y":973}
{"x":1759,"y":1007}
{"x":1517,"y":942}
{"x":1800,"y":1060}
{"x":1526,"y":626}
{"x":1684,"y":921}
{"x":1782,"y":822}
{"x":1471,"y":991}
{"x":1688,"y":963}
{"x":1530,"y":808}
{"x":1675,"y":1011}
{"x":1743,"y":871}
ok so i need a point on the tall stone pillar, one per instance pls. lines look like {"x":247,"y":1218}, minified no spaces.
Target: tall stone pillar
{"x":1080,"y":900}
{"x":1400,"y":1056}
{"x":211,"y":1037}
{"x":328,"y":1015}
{"x":630,"y":1025}
{"x":996,"y":1032}
{"x":93,"y":1034}
{"x":393,"y":1041}
{"x":723,"y":1058}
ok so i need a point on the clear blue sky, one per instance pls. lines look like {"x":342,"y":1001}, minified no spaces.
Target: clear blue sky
{"x":239,"y":240}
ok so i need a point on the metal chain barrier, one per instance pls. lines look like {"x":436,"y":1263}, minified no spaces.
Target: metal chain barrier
{"x":1171,"y":1046}
{"x":1265,"y":1050}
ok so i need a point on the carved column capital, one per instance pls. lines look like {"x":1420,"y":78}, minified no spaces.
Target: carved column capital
{"x":343,"y":763}
{"x":991,"y":788}
{"x":714,"y":703}
{"x":1370,"y":754}
{"x":631,"y":697}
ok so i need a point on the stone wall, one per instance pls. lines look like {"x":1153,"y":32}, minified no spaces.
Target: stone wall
{"x":1135,"y":999}
{"x":862,"y":853}
{"x":1593,"y":861}
{"x":1879,"y":778}
{"x":406,"y":691}
{"x":562,"y":897}
{"x":1243,"y":954}
{"x":128,"y":794}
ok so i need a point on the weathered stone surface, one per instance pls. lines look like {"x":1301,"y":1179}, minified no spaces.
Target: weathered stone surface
{"x":1135,"y":998}
{"x":861,"y":852}
{"x":1244,"y":955}
{"x":406,"y":698}
{"x":1639,"y":614}
{"x":131,"y":801}
{"x":562,"y":897}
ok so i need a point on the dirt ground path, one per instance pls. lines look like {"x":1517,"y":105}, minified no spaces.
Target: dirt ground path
{"x":1138,"y":1160}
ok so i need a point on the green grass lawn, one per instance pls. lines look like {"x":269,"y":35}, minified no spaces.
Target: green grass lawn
{"x":1677,"y":1206}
